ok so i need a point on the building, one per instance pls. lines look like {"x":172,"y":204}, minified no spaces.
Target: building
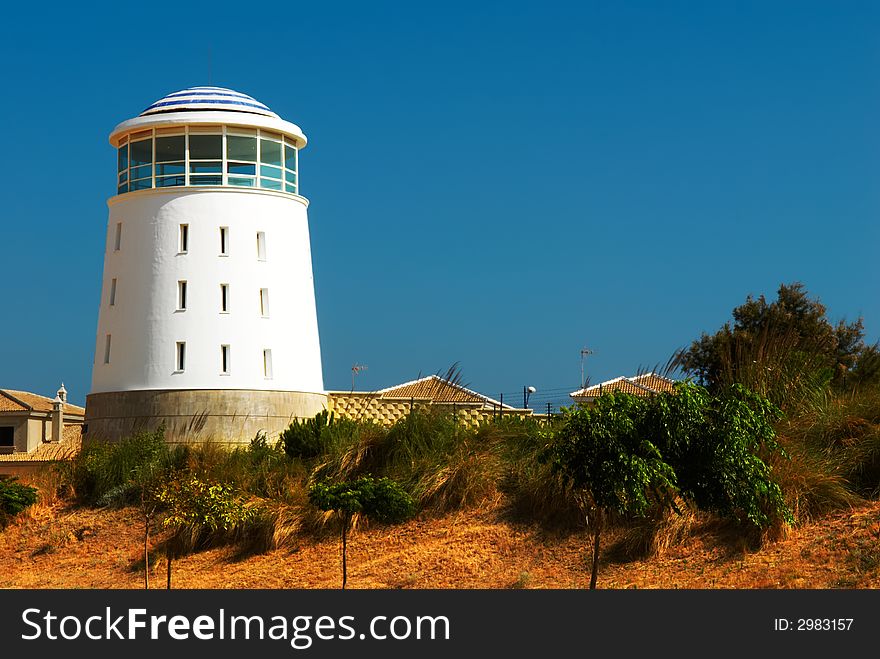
{"x":647,"y":384}
{"x":386,"y":406}
{"x":207,"y":321}
{"x":36,"y":430}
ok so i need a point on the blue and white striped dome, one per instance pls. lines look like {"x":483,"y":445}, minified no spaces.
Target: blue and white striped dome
{"x":208,"y":98}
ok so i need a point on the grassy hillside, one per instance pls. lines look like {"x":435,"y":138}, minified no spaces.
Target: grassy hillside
{"x":490,"y":513}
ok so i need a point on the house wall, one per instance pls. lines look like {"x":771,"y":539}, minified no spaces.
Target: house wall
{"x":34,"y":432}
{"x":20,"y":423}
{"x":22,"y":469}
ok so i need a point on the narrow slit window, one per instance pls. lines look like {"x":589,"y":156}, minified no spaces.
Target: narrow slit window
{"x":107,"y":350}
{"x":224,"y":298}
{"x":181,"y":356}
{"x":118,"y":240}
{"x":184,"y":239}
{"x":261,"y":245}
{"x":224,"y":360}
{"x":113,"y":292}
{"x":264,"y":302}
{"x":224,"y":241}
{"x":181,"y":296}
{"x":267,"y":364}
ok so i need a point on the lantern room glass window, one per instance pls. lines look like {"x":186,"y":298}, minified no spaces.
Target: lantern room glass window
{"x":140,"y":164}
{"x":207,"y":156}
{"x":170,"y":160}
{"x":271,"y":148}
{"x":241,"y":157}
{"x":122,"y":166}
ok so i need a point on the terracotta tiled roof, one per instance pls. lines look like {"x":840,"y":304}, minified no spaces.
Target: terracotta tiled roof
{"x":647,"y":384}
{"x":655,"y":382}
{"x":438,"y":390}
{"x":8,"y":404}
{"x":69,"y":446}
{"x":13,"y":400}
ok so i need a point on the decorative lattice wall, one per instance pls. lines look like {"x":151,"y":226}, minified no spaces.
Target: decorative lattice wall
{"x":388,"y":411}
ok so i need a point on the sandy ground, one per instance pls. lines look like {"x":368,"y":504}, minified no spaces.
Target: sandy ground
{"x":62,"y":547}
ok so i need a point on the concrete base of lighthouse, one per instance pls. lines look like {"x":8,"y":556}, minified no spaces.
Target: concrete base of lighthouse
{"x":197,"y":415}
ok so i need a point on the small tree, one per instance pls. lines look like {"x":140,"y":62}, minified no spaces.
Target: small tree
{"x":380,"y":499}
{"x":149,"y":505}
{"x":609,"y":463}
{"x":123,"y":473}
{"x":195,"y":502}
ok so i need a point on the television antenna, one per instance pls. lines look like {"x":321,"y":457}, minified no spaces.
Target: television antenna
{"x":585,"y":352}
{"x":355,"y":370}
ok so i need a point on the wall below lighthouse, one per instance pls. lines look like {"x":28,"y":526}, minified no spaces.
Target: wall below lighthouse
{"x":224,"y":416}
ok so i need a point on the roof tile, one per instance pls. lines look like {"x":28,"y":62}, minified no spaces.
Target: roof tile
{"x":33,"y":401}
{"x":646,"y":384}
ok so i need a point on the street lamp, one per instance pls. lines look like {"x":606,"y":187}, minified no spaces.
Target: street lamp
{"x":527,"y":391}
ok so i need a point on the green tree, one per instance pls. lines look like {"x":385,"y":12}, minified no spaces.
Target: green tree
{"x":626,"y":453}
{"x":200,"y":504}
{"x":380,"y":499}
{"x":610,"y":462}
{"x":782,"y":348}
{"x":715,"y":443}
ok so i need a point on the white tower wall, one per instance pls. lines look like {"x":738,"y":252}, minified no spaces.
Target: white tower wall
{"x":145,"y":324}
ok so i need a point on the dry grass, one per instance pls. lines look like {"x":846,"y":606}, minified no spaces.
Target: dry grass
{"x":655,"y":534}
{"x":58,"y":547}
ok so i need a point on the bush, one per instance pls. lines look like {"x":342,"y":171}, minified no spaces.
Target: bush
{"x":835,"y":451}
{"x":262,"y":468}
{"x":535,"y":490}
{"x":305,"y":438}
{"x":717,"y":445}
{"x":14,"y":498}
{"x":105,"y":473}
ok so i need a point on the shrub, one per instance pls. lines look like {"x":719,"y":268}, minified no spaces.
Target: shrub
{"x":202,"y":504}
{"x":306,"y":438}
{"x":110,"y":472}
{"x":535,"y":490}
{"x":835,"y":450}
{"x":715,"y":444}
{"x":261,"y":468}
{"x":197,"y":509}
{"x":14,"y":498}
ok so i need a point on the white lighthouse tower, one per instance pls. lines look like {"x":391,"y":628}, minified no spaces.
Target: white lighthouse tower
{"x":207,"y":320}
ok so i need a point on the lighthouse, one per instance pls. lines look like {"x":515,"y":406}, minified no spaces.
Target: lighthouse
{"x":207,"y":321}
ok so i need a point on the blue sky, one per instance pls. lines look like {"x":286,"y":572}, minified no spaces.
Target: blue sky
{"x":494,"y":184}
